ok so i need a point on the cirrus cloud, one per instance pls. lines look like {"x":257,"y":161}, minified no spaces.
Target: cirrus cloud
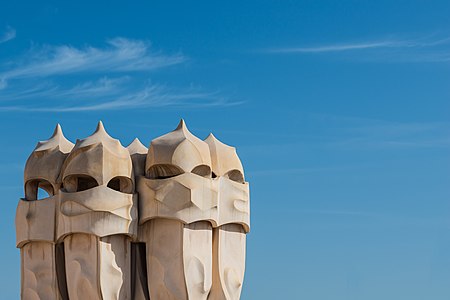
{"x":423,"y":49}
{"x":120,"y":55}
{"x":8,"y":35}
{"x":65,"y":78}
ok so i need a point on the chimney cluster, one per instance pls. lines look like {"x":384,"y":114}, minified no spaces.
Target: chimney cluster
{"x":167,"y":222}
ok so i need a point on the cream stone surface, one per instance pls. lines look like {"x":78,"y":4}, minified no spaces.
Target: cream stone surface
{"x":232,"y":190}
{"x":234,"y":218}
{"x":39,"y":280}
{"x":98,"y":268}
{"x":35,"y":219}
{"x":82,"y":266}
{"x":51,"y":152}
{"x":229,"y":262}
{"x":167,"y":222}
{"x":178,"y":151}
{"x":138,"y":153}
{"x":97,"y":217}
{"x":100,"y":211}
{"x":179,"y":259}
{"x":186,"y":197}
{"x":224,"y":159}
{"x":197,"y":259}
{"x":88,"y":204}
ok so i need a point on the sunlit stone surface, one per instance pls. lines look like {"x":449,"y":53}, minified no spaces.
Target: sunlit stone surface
{"x":167,"y":222}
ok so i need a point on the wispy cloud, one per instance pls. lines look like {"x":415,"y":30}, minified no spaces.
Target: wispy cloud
{"x":48,"y":90}
{"x":419,"y":49}
{"x":120,"y":55}
{"x":108,"y":94}
{"x":47,"y":79}
{"x":8,"y":35}
{"x":336,"y":47}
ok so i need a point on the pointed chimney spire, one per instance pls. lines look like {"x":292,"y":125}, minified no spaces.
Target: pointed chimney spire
{"x":56,"y":140}
{"x":100,"y":127}
{"x":181,"y":125}
{"x":211,"y":137}
{"x":100,"y":131}
{"x":183,"y":129}
{"x":47,"y":158}
{"x":100,"y":156}
{"x":137,"y":147}
{"x":57,"y":131}
{"x":100,"y":136}
{"x":179,"y":147}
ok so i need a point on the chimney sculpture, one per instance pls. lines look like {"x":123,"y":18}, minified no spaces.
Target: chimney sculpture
{"x":167,"y":222}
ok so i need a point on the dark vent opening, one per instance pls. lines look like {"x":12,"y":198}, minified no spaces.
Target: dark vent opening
{"x":163,"y":171}
{"x":61,"y":271}
{"x":114,"y":184}
{"x":121,"y":184}
{"x":79,"y":183}
{"x":139,"y":269}
{"x":86,"y":183}
{"x":235,"y":175}
{"x":202,"y":170}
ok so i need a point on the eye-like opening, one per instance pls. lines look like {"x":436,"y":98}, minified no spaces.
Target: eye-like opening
{"x":202,"y":170}
{"x":78,"y":183}
{"x":121,"y":184}
{"x":163,"y":171}
{"x":38,"y":189}
{"x":235,"y":175}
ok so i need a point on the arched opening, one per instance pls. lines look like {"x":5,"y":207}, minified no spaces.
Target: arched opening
{"x":163,"y":171}
{"x":121,"y":184}
{"x":78,"y":183}
{"x":38,"y":189}
{"x":235,"y":175}
{"x":202,"y":170}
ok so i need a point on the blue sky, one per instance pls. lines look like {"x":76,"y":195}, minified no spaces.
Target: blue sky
{"x":339,"y":111}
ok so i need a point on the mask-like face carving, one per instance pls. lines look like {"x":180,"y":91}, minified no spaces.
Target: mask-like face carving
{"x":187,"y":197}
{"x":233,"y":191}
{"x":234,"y":205}
{"x":194,"y":216}
{"x":178,"y":181}
{"x":234,"y":209}
{"x":35,"y":217}
{"x":97,"y":193}
{"x":180,"y":196}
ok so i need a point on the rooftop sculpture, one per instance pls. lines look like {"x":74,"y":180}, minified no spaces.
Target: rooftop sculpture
{"x":167,"y":222}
